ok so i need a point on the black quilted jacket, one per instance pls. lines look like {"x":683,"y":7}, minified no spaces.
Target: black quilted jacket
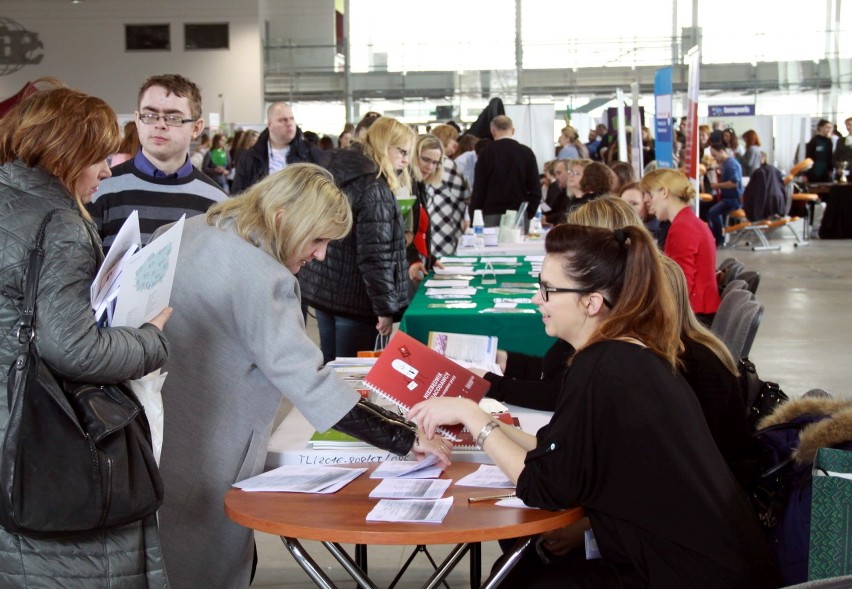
{"x":364,"y":275}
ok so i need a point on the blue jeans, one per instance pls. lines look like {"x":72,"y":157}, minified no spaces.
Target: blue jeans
{"x":716,"y":217}
{"x":344,"y":336}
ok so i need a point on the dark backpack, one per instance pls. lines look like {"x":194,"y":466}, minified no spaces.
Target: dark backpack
{"x":761,"y":397}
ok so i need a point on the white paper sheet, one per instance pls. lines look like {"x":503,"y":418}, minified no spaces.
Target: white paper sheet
{"x":410,"y":489}
{"x":302,"y":479}
{"x":486,"y":475}
{"x":466,"y":291}
{"x":411,"y":510}
{"x":412,"y":469}
{"x":146,"y":280}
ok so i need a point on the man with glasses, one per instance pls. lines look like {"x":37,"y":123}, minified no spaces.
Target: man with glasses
{"x":280,"y":144}
{"x":160,"y":181}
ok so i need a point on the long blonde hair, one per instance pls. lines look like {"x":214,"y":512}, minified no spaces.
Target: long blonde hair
{"x":385,"y":133}
{"x":690,"y":327}
{"x":284,"y":211}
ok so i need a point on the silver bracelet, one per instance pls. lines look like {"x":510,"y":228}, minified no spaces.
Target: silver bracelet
{"x":485,"y":432}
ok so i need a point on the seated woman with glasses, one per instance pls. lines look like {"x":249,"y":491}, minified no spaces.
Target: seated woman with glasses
{"x":363,"y":284}
{"x":628,"y":441}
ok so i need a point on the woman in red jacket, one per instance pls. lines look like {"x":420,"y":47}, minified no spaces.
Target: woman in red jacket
{"x":669,"y":195}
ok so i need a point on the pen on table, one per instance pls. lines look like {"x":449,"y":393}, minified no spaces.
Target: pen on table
{"x":490,"y":497}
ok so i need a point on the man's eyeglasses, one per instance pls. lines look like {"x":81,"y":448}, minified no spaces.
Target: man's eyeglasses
{"x":545,"y":291}
{"x":150,"y":118}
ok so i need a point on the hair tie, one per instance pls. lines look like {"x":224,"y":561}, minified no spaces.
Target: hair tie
{"x":620,"y":236}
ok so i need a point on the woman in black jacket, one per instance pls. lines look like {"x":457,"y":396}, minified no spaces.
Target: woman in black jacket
{"x":363,"y":283}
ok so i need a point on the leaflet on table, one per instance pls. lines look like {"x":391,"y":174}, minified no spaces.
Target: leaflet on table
{"x":410,"y":489}
{"x":513,"y":502}
{"x":141,"y":282}
{"x":462,"y":291}
{"x":486,"y":475}
{"x":469,"y":350}
{"x":411,"y":510}
{"x":412,"y":469}
{"x":408,"y":372}
{"x":444,"y":283}
{"x":302,"y":479}
{"x":458,"y":260}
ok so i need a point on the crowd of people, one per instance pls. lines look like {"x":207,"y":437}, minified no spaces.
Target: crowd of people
{"x":627,"y":288}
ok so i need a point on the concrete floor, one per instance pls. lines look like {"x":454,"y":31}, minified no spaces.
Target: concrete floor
{"x":802,"y":343}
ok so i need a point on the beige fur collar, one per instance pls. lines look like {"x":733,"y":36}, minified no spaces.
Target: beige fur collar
{"x":828,"y":432}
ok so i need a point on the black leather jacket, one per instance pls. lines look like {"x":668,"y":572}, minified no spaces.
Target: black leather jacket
{"x":364,"y":275}
{"x":253,"y":165}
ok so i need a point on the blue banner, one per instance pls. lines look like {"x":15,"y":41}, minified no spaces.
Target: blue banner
{"x":663,"y":117}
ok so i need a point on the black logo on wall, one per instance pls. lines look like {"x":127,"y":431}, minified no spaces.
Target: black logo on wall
{"x":18,"y":47}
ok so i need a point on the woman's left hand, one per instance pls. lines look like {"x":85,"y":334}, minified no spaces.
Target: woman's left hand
{"x":431,"y":414}
{"x":436,"y":446}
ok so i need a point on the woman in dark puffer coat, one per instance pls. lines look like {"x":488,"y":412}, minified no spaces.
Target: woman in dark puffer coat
{"x":363,"y":282}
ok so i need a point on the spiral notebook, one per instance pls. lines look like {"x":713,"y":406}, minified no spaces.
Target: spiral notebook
{"x":408,"y":372}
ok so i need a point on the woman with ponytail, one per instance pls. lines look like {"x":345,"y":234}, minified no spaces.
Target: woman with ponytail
{"x":628,"y":441}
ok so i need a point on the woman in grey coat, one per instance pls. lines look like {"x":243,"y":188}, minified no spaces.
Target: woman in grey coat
{"x":238,"y":346}
{"x":53,"y":149}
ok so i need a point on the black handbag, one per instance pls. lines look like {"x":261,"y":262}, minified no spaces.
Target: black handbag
{"x":75,"y":457}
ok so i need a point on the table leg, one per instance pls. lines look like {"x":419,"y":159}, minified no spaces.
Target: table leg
{"x":343,"y":558}
{"x":307,"y":563}
{"x":509,"y":562}
{"x":361,"y":557}
{"x":475,"y":564}
{"x":453,"y":558}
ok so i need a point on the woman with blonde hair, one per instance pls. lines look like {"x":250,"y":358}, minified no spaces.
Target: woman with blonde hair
{"x":447,"y":201}
{"x":239,"y":348}
{"x":669,"y":195}
{"x":426,"y":170}
{"x":628,"y":441}
{"x":53,"y":150}
{"x":570,"y":146}
{"x":364,"y":283}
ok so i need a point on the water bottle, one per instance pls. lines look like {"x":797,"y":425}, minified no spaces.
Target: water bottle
{"x":478,"y":229}
{"x":535,"y":225}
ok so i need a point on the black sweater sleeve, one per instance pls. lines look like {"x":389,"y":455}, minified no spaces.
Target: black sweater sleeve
{"x":531,"y":381}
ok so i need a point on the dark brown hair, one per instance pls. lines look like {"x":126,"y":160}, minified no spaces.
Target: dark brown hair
{"x":177,"y":85}
{"x":624,"y":266}
{"x":596,"y":178}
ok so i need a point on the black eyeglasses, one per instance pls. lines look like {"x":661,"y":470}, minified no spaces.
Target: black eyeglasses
{"x":545,"y":291}
{"x":150,"y":118}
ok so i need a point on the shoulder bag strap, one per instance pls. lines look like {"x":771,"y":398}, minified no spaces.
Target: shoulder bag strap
{"x":26,"y":326}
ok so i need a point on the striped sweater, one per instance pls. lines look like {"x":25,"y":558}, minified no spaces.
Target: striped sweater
{"x":160,"y":201}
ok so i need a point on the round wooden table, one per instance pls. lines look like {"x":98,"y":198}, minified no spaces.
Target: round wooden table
{"x":341,"y":517}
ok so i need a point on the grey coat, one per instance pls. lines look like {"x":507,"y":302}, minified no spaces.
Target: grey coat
{"x":70,"y":343}
{"x":238,"y":346}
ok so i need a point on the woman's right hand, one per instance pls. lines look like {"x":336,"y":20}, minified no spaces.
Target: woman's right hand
{"x":384,"y":325}
{"x":160,"y":320}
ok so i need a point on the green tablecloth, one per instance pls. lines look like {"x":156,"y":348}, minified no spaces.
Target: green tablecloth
{"x":516,"y":332}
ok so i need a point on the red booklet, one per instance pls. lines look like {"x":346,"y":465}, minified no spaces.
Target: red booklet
{"x":408,"y":372}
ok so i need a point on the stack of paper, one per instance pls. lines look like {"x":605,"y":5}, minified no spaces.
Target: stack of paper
{"x":302,"y":479}
{"x":411,"y":510}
